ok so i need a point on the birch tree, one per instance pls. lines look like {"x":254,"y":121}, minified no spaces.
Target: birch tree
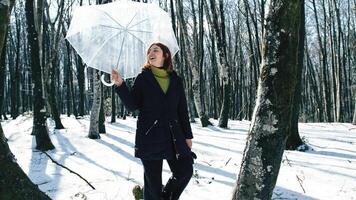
{"x":97,"y":101}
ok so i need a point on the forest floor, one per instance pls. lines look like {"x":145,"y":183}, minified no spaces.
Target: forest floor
{"x":328,"y":171}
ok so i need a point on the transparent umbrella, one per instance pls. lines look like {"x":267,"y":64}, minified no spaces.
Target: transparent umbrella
{"x":117,"y":35}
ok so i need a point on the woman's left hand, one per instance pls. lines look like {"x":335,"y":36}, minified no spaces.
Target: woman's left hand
{"x":189,"y":143}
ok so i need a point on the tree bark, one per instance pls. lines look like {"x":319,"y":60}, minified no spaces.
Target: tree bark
{"x":354,"y":118}
{"x":70,"y":79}
{"x":199,"y":56}
{"x":95,"y":109}
{"x":40,"y":130}
{"x":191,"y":63}
{"x":339,"y":65}
{"x":273,"y":111}
{"x":17,"y":184}
{"x":81,"y":84}
{"x":2,"y":76}
{"x":52,"y":67}
{"x":294,"y":141}
{"x":219,"y":31}
{"x":325,"y":84}
{"x":113,"y":105}
{"x":102,"y":112}
{"x":14,"y":183}
{"x":15,"y":74}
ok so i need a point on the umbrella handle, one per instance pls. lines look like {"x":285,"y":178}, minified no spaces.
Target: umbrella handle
{"x":106,"y":83}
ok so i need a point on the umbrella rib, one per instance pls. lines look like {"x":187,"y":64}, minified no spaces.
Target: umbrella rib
{"x":131,"y":21}
{"x":111,"y":27}
{"x":122,"y":44}
{"x":140,"y":31}
{"x":107,"y":14}
{"x":137,"y":38}
{"x":139,"y":23}
{"x":103,"y":45}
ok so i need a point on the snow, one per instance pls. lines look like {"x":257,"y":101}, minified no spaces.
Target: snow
{"x":273,"y":71}
{"x":4,"y":3}
{"x":326,"y":172}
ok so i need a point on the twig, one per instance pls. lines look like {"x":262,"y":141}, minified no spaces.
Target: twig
{"x":300,"y":183}
{"x":228,"y":161}
{"x":288,"y":161}
{"x":206,"y":163}
{"x":71,"y":171}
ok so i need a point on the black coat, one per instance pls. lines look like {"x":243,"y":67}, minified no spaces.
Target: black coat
{"x":163,"y":121}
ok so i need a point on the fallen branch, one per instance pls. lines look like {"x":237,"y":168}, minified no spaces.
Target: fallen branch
{"x":71,"y":171}
{"x":228,"y":161}
{"x":206,"y":163}
{"x":288,"y":161}
{"x":300,"y":181}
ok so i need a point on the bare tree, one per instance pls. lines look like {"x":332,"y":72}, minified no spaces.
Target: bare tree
{"x":273,"y":111}
{"x":17,"y":184}
{"x":354,"y":117}
{"x":95,"y":109}
{"x":294,"y":141}
{"x":97,"y":122}
{"x":195,"y":63}
{"x":2,"y":75}
{"x":218,"y":22}
{"x":53,"y":62}
{"x":40,"y":130}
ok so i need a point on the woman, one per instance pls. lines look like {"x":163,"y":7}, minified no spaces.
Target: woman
{"x":163,"y":128}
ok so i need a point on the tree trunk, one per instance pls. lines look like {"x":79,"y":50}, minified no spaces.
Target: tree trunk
{"x":15,"y":74}
{"x":16,"y":182}
{"x":51,"y":92}
{"x":252,"y":62}
{"x":113,"y":105}
{"x":67,"y":86}
{"x":219,"y":31}
{"x":2,"y":75}
{"x":5,"y":10}
{"x":294,"y":140}
{"x":81,"y":84}
{"x":52,"y":65}
{"x":199,"y":56}
{"x":71,"y":85}
{"x":101,"y":112}
{"x":40,"y":130}
{"x":313,"y":84}
{"x":354,"y":118}
{"x":95,"y":109}
{"x":272,"y":114}
{"x":70,"y":79}
{"x":339,"y":66}
{"x":325,"y":83}
{"x":188,"y":62}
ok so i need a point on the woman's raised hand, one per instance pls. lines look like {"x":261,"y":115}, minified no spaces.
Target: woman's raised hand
{"x":116,"y":78}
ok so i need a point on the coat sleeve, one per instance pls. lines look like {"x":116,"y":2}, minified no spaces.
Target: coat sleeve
{"x":131,"y":98}
{"x":183,"y":112}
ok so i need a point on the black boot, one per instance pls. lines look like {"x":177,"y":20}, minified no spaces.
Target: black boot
{"x":169,"y":189}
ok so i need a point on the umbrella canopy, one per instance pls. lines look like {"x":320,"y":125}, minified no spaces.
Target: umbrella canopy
{"x":117,"y":35}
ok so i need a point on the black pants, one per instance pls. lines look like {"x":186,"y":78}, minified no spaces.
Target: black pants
{"x":182,"y":171}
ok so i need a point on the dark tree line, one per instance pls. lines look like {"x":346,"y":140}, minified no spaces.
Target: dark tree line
{"x":219,"y":60}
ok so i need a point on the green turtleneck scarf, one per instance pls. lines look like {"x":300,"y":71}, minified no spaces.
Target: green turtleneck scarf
{"x":162,"y":77}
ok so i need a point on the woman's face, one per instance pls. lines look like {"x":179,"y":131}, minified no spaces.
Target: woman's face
{"x":155,"y":56}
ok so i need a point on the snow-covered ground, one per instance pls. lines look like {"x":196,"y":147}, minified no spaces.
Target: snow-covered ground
{"x":328,"y":172}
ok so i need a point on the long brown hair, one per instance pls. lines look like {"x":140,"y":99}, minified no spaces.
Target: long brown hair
{"x":167,"y":64}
